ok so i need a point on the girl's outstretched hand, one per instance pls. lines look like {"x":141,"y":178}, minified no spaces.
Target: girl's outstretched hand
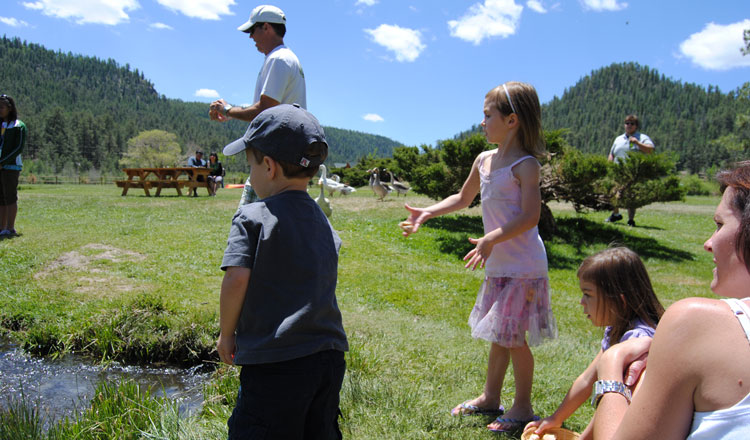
{"x":541,"y":426}
{"x":417,"y":216}
{"x":479,"y":255}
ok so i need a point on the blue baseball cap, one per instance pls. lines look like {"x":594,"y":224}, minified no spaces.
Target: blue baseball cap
{"x":284,"y":133}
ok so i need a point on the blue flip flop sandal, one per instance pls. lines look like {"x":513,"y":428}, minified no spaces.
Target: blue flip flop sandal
{"x":513,"y":425}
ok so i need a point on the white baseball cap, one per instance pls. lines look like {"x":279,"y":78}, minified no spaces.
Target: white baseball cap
{"x":264,"y":14}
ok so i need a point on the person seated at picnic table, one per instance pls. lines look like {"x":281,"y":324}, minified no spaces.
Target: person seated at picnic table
{"x":215,"y":177}
{"x":197,"y":161}
{"x":697,"y":379}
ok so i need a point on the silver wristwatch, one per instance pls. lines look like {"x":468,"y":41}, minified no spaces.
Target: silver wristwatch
{"x":609,"y":386}
{"x":226,"y":108}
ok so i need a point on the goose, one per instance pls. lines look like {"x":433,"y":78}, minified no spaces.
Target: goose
{"x":372,"y":177}
{"x":381,"y":190}
{"x":330,"y":184}
{"x":400,"y":187}
{"x":343,"y":188}
{"x":323,"y":202}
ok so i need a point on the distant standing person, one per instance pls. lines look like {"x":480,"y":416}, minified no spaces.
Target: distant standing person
{"x":631,"y":140}
{"x":281,"y":79}
{"x":215,"y":177}
{"x":12,"y":140}
{"x":197,"y":161}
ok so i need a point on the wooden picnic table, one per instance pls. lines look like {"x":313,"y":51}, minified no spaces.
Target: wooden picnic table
{"x":148,"y":178}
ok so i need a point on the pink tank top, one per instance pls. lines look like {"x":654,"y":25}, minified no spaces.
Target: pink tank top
{"x":522,"y":256}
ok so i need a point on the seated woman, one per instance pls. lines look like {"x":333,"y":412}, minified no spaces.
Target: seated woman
{"x":215,"y":177}
{"x":698,"y":381}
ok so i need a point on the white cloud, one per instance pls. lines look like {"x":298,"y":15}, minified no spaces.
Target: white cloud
{"x":404,"y":42}
{"x":603,"y":5}
{"x":35,"y":6}
{"x":13,"y":22}
{"x":536,"y":6}
{"x":493,"y":18}
{"x":373,"y":117}
{"x":717,"y":47}
{"x":202,"y":9}
{"x":366,"y":2}
{"x":161,"y":26}
{"x":110,"y":12}
{"x":206,"y":93}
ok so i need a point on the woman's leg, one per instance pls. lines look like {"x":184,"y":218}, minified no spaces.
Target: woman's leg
{"x":10,"y":216}
{"x":3,"y":218}
{"x":8,"y":199}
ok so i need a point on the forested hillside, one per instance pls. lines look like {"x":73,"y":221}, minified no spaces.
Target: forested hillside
{"x":684,"y":118}
{"x":81,"y":111}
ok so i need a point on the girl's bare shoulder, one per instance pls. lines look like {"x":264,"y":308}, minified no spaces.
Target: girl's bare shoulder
{"x":527,"y":168}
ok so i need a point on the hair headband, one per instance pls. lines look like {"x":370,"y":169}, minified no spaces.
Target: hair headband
{"x":507,"y":95}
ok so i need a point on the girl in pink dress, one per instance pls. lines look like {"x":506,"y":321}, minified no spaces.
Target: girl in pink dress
{"x":514,"y":298}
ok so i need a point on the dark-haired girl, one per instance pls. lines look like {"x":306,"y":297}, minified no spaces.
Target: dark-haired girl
{"x":12,"y":140}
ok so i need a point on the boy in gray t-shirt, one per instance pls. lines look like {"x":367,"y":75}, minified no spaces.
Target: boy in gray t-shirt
{"x":279,"y":316}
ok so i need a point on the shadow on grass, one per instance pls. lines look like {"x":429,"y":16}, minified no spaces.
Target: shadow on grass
{"x":581,"y":233}
{"x":453,"y":238}
{"x":576,"y":232}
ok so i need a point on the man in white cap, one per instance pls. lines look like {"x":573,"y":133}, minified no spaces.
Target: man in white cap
{"x":281,"y":79}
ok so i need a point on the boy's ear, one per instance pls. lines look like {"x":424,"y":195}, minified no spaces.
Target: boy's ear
{"x":270,"y":166}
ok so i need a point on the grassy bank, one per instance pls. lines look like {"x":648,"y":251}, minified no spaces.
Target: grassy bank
{"x":136,"y":279}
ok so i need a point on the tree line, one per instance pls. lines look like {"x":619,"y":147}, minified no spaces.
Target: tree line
{"x":82,"y":111}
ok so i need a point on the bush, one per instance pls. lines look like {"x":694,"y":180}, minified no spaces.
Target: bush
{"x":695,"y":186}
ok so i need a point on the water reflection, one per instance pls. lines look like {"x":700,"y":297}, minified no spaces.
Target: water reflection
{"x":60,"y":387}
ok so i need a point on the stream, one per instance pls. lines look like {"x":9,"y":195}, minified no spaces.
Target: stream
{"x":62,"y":386}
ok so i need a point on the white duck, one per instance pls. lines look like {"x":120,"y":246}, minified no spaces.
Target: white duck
{"x":343,"y":188}
{"x":400,"y":187}
{"x":380,"y":189}
{"x":330,"y":185}
{"x":372,"y":177}
{"x":323,"y":202}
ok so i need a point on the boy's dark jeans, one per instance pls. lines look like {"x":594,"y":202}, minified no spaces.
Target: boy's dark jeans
{"x":296,"y":399}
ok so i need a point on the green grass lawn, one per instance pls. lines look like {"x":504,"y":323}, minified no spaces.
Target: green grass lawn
{"x":137,"y":279}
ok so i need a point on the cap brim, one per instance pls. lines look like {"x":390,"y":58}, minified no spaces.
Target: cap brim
{"x":235,"y":147}
{"x":245,"y":27}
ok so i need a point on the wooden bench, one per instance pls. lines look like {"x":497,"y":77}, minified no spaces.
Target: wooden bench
{"x":168,"y":183}
{"x":159,"y":178}
{"x":127,"y":184}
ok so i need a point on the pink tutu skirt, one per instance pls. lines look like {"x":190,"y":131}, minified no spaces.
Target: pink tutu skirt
{"x":507,"y":308}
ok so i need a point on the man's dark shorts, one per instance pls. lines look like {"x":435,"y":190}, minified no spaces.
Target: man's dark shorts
{"x":296,"y":399}
{"x":8,"y":187}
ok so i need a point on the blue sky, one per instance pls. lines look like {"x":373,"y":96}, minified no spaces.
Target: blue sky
{"x":412,"y":70}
